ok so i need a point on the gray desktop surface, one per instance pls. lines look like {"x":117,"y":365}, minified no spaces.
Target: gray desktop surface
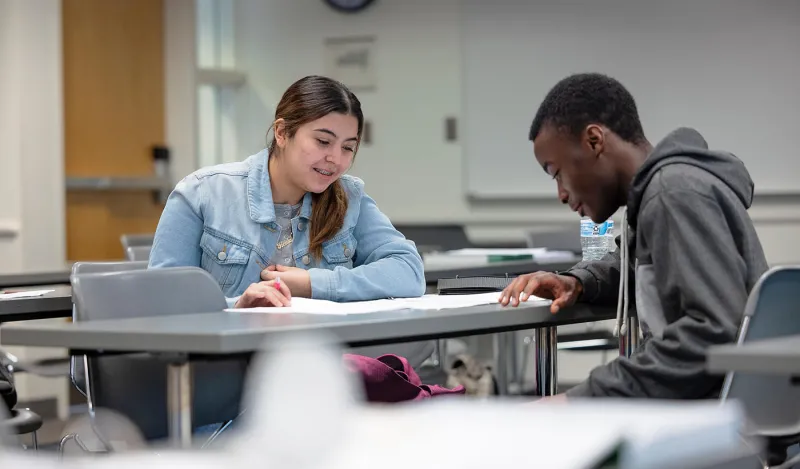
{"x":768,"y":356}
{"x":223,"y":332}
{"x":59,"y":277}
{"x":56,"y":304}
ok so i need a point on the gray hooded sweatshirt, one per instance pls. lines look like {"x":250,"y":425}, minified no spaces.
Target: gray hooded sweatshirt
{"x":696,"y":256}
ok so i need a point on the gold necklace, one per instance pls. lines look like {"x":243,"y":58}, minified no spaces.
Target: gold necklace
{"x":285,"y":242}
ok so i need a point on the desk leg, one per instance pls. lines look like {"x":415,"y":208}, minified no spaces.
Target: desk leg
{"x":630,"y":341}
{"x":501,"y":342}
{"x":179,"y":391}
{"x":546,"y":366}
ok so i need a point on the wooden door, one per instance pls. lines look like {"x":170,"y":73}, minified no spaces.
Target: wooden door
{"x":114,"y":115}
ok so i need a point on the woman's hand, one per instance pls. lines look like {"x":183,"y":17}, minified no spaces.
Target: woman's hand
{"x":298,"y":280}
{"x":268,"y":293}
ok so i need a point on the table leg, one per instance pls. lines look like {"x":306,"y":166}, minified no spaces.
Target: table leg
{"x":630,"y":340}
{"x":179,"y":391}
{"x":513,"y":360}
{"x":546,"y":366}
{"x":502,"y":363}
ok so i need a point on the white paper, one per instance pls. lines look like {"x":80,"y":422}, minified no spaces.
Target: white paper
{"x":310,"y":306}
{"x":24,"y":294}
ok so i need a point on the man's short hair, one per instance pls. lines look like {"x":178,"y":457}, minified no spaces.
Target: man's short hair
{"x":589,"y":98}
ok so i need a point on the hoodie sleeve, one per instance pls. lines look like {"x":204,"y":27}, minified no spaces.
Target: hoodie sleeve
{"x":696,"y":267}
{"x":600,"y":279}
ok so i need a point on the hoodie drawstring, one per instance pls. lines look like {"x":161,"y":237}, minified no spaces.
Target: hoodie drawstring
{"x":622,"y":297}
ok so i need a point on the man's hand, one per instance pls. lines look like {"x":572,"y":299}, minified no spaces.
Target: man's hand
{"x":562,"y":289}
{"x":265,"y":294}
{"x":298,"y":280}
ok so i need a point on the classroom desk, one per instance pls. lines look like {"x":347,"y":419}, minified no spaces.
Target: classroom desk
{"x":56,"y":304}
{"x":769,"y":356}
{"x":512,"y":269}
{"x":218,"y":333}
{"x":56,"y":277}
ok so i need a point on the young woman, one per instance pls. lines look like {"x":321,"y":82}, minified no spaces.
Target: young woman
{"x":287,"y":220}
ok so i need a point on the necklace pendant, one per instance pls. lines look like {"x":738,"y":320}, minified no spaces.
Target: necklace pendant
{"x":284,"y":243}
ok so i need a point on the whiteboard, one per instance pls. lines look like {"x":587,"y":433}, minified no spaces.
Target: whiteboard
{"x":728,"y":68}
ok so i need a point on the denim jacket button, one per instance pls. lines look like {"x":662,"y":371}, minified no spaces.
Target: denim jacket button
{"x":222,"y":256}
{"x":301,"y":226}
{"x":347,"y":252}
{"x":306,"y":259}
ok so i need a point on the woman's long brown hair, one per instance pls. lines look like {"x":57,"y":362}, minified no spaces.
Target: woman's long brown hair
{"x":309,"y":99}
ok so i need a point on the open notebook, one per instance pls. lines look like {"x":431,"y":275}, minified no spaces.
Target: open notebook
{"x":309,"y":306}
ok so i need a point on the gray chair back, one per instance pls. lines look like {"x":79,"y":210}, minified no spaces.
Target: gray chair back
{"x":432,"y":238}
{"x":770,"y":402}
{"x":138,"y":253}
{"x":76,"y":369}
{"x":556,"y":240}
{"x":131,"y":240}
{"x":136,"y":385}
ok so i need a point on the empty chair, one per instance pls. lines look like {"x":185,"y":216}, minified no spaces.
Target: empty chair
{"x":77,"y":371}
{"x":430,"y":238}
{"x":556,"y":240}
{"x":770,"y":402}
{"x":132,"y":240}
{"x":136,"y":385}
{"x":18,"y":421}
{"x":138,"y":253}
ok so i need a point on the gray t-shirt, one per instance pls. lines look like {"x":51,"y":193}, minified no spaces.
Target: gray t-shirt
{"x":284,"y":253}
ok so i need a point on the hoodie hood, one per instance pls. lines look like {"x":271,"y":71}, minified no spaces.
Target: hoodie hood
{"x":687,"y":146}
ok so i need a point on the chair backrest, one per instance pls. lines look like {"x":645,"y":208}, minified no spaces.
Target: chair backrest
{"x":76,"y":368}
{"x":138,"y":253}
{"x":772,"y":311}
{"x":136,"y":386}
{"x":555,"y":240}
{"x":130,"y":240}
{"x":430,"y":238}
{"x":79,"y":268}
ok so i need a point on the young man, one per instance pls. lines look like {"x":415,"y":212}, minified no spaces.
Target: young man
{"x":692,"y":252}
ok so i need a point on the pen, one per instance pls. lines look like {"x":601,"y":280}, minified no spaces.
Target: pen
{"x":277,"y":283}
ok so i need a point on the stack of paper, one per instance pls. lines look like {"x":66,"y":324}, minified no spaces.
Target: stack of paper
{"x":309,"y":306}
{"x":23,"y":294}
{"x":471,"y":257}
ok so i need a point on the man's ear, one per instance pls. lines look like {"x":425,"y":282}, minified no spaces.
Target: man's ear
{"x":595,"y":138}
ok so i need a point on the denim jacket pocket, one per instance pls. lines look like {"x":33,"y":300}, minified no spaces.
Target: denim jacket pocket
{"x":224,"y":258}
{"x":340,"y":252}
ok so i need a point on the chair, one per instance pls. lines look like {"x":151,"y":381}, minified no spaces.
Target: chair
{"x":135,"y":385}
{"x":19,"y":421}
{"x":138,"y":253}
{"x":556,"y":240}
{"x":77,"y":371}
{"x":431,"y":238}
{"x":132,"y":240}
{"x":770,"y":402}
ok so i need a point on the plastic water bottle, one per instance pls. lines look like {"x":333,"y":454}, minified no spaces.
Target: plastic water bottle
{"x":612,"y":246}
{"x":594,"y":242}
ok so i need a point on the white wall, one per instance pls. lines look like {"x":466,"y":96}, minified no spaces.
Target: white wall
{"x":31,"y":136}
{"x":32,"y":231}
{"x":409,"y":169}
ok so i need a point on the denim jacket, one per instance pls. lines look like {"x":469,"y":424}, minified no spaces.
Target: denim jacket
{"x":222,"y":219}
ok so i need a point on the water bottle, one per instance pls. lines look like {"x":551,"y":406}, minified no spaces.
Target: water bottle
{"x":612,"y":246}
{"x":594,"y":242}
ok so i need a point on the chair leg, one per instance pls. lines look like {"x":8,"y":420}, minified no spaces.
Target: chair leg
{"x":35,"y":439}
{"x":523,"y":368}
{"x":216,"y":433}
{"x":65,"y":439}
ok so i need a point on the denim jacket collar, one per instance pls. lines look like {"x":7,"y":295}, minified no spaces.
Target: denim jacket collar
{"x":259,"y":191}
